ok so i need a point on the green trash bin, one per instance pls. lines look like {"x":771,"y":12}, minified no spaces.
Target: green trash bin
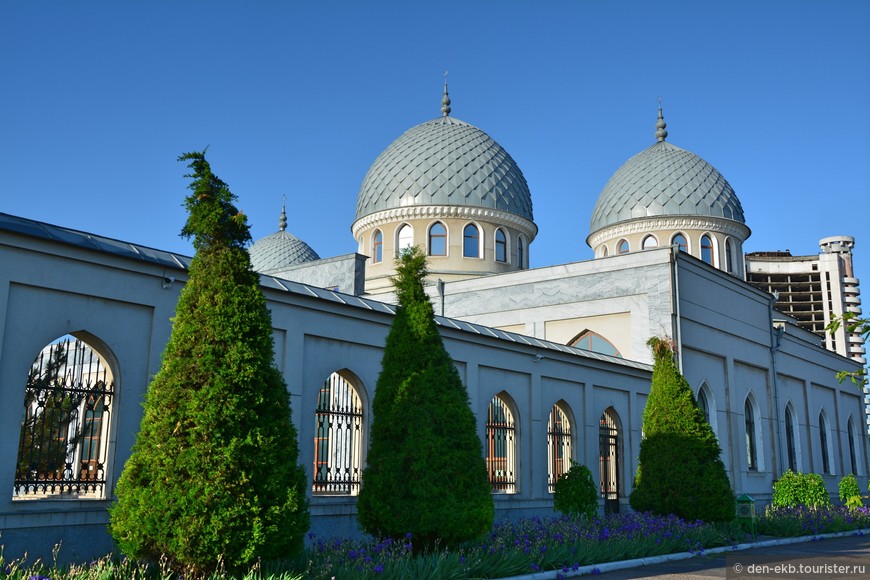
{"x":746,"y":515}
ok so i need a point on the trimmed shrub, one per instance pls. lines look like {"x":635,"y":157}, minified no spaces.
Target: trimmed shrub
{"x":850,"y":493}
{"x":425,"y":472}
{"x":213,"y":480}
{"x":575,"y":493}
{"x":796,"y":489}
{"x":679,"y":467}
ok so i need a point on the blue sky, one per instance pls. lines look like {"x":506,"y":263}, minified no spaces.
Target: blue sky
{"x":98,"y":100}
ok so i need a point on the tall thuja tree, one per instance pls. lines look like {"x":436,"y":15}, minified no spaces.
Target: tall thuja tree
{"x":680,"y":470}
{"x":425,"y":472}
{"x":213,"y":480}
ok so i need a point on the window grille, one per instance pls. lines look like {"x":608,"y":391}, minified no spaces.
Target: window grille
{"x":558,"y":446}
{"x":64,"y":430}
{"x":703,"y":404}
{"x":337,"y":439}
{"x":609,"y":461}
{"x":501,"y":447}
{"x":790,"y":441}
{"x":823,"y":435}
{"x":751,"y":452}
{"x":851,"y":435}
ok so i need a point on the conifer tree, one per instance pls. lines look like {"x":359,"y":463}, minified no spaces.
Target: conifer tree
{"x":425,"y":474}
{"x":679,"y":469}
{"x":213,"y":479}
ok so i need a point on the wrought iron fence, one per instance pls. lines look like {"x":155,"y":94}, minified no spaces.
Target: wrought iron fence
{"x":338,"y":439}
{"x":558,"y":446}
{"x":64,"y":429}
{"x":609,"y":461}
{"x":501,"y":447}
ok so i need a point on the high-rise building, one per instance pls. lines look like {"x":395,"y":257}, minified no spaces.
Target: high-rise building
{"x":814,"y":290}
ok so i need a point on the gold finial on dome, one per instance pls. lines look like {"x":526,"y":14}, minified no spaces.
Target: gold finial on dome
{"x":445,"y":100}
{"x":661,"y":132}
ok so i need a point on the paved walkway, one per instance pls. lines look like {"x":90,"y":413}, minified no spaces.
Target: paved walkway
{"x":745,"y":561}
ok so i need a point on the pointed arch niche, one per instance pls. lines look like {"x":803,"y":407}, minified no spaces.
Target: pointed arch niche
{"x":707,"y":403}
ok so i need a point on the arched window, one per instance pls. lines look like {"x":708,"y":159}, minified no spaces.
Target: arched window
{"x":750,"y":436}
{"x":680,"y":241}
{"x":592,"y":341}
{"x":707,"y":249}
{"x":622,"y":247}
{"x":825,"y":443}
{"x":558,"y":444}
{"x":791,"y":439}
{"x":470,"y":241}
{"x":602,"y":251}
{"x":650,"y":242}
{"x":707,"y":404}
{"x":338,"y":437}
{"x":729,"y":256}
{"x":521,"y":253}
{"x":850,"y":426}
{"x":704,"y":404}
{"x":437,"y":240}
{"x":404,"y":238}
{"x":377,"y":246}
{"x":501,"y":445}
{"x":610,"y":459}
{"x":501,"y":246}
{"x":63,"y":441}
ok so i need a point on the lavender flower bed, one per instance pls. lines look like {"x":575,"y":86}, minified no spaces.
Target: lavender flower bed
{"x":806,"y":521}
{"x":529,"y":545}
{"x":512,"y":548}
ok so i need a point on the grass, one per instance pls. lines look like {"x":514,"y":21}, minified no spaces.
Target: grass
{"x":511,"y":548}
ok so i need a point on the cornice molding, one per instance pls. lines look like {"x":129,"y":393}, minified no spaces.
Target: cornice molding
{"x":669,"y":223}
{"x":429,"y":212}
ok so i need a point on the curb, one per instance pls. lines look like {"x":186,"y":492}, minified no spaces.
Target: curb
{"x":638,"y":562}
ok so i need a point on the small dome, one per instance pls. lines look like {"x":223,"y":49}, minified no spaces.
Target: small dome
{"x":665,"y":180}
{"x":444,"y":162}
{"x":280,"y":250}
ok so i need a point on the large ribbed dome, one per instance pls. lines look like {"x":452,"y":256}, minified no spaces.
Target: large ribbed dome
{"x":280,"y":250}
{"x":444,"y":162}
{"x":665,"y":180}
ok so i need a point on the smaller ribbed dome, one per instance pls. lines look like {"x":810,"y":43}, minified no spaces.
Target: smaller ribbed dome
{"x":665,"y":180}
{"x":280,"y":250}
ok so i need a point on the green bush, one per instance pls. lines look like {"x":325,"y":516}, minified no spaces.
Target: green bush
{"x":213,"y":480}
{"x":425,"y":472}
{"x":850,"y":493}
{"x":796,"y":489}
{"x":575,"y":492}
{"x":679,"y":466}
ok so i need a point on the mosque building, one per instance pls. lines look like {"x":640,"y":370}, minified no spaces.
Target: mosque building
{"x":554,"y":358}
